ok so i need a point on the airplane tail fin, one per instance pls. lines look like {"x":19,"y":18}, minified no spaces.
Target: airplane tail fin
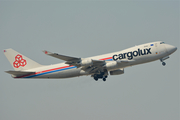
{"x":20,"y":62}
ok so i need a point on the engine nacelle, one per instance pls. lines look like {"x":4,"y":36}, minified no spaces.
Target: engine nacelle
{"x":111,"y":65}
{"x":117,"y":72}
{"x":86,"y":62}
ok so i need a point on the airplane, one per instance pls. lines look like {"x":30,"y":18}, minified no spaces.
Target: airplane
{"x":99,"y":67}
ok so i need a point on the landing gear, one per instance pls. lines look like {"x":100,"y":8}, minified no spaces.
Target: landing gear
{"x":104,"y":78}
{"x":162,"y":60}
{"x":102,"y":75}
{"x":163,"y":63}
{"x":96,"y":78}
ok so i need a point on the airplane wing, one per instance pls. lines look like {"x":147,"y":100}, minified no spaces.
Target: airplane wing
{"x":19,"y":73}
{"x":62,"y":57}
{"x":72,"y":60}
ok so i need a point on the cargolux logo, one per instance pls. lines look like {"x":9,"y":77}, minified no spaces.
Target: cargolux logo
{"x":19,"y":61}
{"x":132,"y":54}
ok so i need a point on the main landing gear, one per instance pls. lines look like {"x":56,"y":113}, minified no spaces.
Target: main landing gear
{"x":101,"y":76}
{"x":163,"y":63}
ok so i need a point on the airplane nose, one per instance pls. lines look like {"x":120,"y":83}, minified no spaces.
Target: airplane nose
{"x":170,"y":48}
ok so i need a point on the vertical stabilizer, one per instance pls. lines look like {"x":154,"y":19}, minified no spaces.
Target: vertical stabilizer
{"x":20,"y":62}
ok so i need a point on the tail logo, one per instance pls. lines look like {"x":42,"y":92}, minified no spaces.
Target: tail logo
{"x":19,"y":61}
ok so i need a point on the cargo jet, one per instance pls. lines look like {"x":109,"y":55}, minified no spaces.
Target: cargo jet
{"x":99,"y":67}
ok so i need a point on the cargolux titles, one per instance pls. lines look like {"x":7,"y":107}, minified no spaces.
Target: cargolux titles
{"x":132,"y":54}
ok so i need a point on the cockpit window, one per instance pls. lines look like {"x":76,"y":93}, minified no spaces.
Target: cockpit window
{"x":162,"y":42}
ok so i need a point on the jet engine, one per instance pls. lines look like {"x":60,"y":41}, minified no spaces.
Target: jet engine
{"x":86,"y":62}
{"x":111,"y":65}
{"x":117,"y":72}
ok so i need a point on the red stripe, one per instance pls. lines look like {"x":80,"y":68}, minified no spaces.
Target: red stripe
{"x":106,"y":58}
{"x":53,"y":69}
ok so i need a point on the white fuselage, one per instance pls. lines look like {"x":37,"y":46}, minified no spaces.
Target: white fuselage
{"x":132,"y":56}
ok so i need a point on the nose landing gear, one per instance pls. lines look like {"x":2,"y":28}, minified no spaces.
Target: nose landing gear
{"x":162,"y":60}
{"x":163,"y":63}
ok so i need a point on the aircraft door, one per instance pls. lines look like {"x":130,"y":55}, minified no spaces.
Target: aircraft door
{"x":156,"y":48}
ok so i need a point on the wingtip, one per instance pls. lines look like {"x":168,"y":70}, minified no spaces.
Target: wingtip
{"x":45,"y":51}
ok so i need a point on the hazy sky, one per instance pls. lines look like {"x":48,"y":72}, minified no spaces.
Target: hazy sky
{"x":83,"y":29}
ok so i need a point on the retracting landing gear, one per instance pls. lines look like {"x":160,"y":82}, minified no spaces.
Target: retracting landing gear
{"x":162,"y":60}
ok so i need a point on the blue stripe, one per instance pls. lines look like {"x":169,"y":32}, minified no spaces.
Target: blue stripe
{"x":110,"y":60}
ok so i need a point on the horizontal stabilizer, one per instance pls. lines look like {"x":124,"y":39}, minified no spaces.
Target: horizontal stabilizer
{"x":19,"y":73}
